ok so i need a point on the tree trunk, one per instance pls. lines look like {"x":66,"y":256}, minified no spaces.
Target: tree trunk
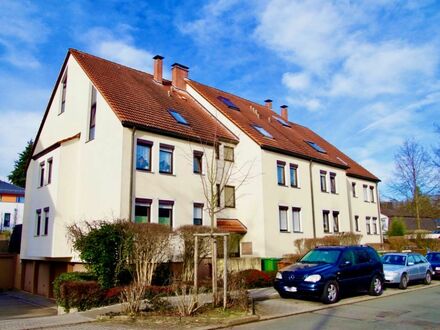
{"x":214,"y":271}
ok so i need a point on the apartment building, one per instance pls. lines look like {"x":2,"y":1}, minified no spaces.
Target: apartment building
{"x":116,"y":143}
{"x":11,"y":205}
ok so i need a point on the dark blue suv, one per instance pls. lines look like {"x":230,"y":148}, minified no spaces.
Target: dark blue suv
{"x":325,"y":272}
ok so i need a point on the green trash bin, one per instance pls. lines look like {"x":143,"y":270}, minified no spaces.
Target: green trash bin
{"x":269,"y":264}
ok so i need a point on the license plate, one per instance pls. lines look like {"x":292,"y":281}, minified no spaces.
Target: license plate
{"x":290,"y":288}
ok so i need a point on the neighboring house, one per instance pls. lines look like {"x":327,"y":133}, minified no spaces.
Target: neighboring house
{"x":116,"y":142}
{"x":11,"y":205}
{"x":385,"y":222}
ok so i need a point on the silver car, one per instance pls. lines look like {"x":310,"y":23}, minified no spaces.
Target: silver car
{"x":401,"y":268}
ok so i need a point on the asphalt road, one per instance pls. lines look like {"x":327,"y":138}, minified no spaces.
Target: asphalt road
{"x":412,"y":310}
{"x":12,"y":307}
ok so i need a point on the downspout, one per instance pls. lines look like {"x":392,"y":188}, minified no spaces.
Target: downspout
{"x":132,"y":176}
{"x":378,"y":209}
{"x":350,"y":211}
{"x":313,"y":199}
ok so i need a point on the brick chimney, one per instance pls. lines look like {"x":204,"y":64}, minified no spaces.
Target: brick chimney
{"x":268,"y":103}
{"x":158,"y":68}
{"x":179,"y":72}
{"x":284,"y":113}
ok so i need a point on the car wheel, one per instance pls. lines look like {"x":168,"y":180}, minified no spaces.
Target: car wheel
{"x":428,"y":278}
{"x":330,"y":294}
{"x":403,"y":282}
{"x":376,"y":286}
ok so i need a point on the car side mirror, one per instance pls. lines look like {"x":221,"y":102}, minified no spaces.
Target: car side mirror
{"x":410,"y":263}
{"x":346,"y":263}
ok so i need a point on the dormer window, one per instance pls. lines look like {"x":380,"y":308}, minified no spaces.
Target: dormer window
{"x":228,"y":102}
{"x":282,"y":121}
{"x":178,"y":117}
{"x":316,"y":147}
{"x":262,"y":131}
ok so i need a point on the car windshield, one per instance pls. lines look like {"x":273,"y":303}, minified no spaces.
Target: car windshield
{"x":393,"y":259}
{"x":321,"y":256}
{"x":434,"y":257}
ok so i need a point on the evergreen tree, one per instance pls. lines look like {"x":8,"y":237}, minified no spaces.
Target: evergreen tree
{"x":18,"y":174}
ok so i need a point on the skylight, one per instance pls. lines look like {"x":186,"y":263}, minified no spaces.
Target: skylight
{"x":282,"y":121}
{"x":178,"y":117}
{"x":228,"y":102}
{"x":316,"y":147}
{"x":262,"y":131}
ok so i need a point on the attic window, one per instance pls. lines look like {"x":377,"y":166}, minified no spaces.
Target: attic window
{"x":262,"y":131}
{"x":316,"y":147}
{"x":228,"y":102}
{"x":178,"y":117}
{"x":282,"y":121}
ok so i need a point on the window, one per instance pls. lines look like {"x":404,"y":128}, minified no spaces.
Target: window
{"x":19,"y":199}
{"x":282,"y":210}
{"x":228,"y":153}
{"x":333,"y":183}
{"x":367,"y":220}
{"x":218,"y":194}
{"x":356,"y":223}
{"x":49,"y":170}
{"x":166,"y":213}
{"x":63,"y":94}
{"x":316,"y":147}
{"x":7,"y":220}
{"x":336,"y":222}
{"x":198,"y":214}
{"x":362,"y":256}
{"x":282,"y":121}
{"x":280,"y":173}
{"x":38,"y":223}
{"x":411,"y":260}
{"x":262,"y":131}
{"x":323,"y":181}
{"x":365,"y":193}
{"x":372,"y":194}
{"x":229,"y":196}
{"x":326,"y":221}
{"x":293,"y":175}
{"x":92,"y":122}
{"x":166,"y":158}
{"x":46,"y":221}
{"x":228,"y":102}
{"x":42,"y":174}
{"x":296,"y":219}
{"x":353,"y":189}
{"x":178,"y":117}
{"x":143,"y":155}
{"x":375,"y":226}
{"x":197,"y":161}
{"x":142,"y":210}
{"x":217,"y":150}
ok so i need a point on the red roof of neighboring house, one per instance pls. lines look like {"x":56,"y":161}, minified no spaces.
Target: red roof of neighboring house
{"x":288,"y":140}
{"x":138,"y":100}
{"x":231,"y":226}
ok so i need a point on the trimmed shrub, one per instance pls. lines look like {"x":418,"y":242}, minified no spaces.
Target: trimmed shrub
{"x":69,"y":277}
{"x":253,"y":278}
{"x":399,"y":243}
{"x":81,"y":294}
{"x":153,"y":291}
{"x":397,"y":227}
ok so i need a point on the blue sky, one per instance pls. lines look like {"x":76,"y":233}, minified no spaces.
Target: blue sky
{"x":364,"y":75}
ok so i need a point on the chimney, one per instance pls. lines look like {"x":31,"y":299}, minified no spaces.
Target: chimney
{"x":179,"y":72}
{"x":284,"y":113}
{"x":268,"y":103}
{"x":158,"y":68}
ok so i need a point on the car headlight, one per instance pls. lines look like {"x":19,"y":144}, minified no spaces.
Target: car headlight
{"x":279,"y":276}
{"x":312,"y":278}
{"x":437,"y":268}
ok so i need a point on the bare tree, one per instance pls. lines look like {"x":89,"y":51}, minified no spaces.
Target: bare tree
{"x":436,"y":160}
{"x":413,"y":174}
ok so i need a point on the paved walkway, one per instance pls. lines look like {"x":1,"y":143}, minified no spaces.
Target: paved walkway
{"x":18,"y":305}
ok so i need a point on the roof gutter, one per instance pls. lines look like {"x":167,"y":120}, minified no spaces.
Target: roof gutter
{"x":132,"y":176}
{"x":313,"y":198}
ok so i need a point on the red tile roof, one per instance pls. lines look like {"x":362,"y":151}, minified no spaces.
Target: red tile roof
{"x":288,"y":140}
{"x":138,"y":100}
{"x":231,"y":226}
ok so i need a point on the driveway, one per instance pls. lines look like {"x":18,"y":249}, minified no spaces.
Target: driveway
{"x":20,"y":305}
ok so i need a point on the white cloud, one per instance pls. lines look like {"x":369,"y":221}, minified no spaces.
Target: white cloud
{"x":18,"y":128}
{"x":311,"y":104}
{"x":118,"y":48}
{"x":296,"y":81}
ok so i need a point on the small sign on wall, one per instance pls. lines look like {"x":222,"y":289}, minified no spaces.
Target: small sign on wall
{"x":246,"y":248}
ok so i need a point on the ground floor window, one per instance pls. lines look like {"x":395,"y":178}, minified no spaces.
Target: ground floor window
{"x":336,"y":222}
{"x":166,"y":213}
{"x":198,"y":214}
{"x":356,"y":222}
{"x":296,"y":219}
{"x":283,"y":218}
{"x":367,"y":220}
{"x":142,"y":210}
{"x":325,"y":220}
